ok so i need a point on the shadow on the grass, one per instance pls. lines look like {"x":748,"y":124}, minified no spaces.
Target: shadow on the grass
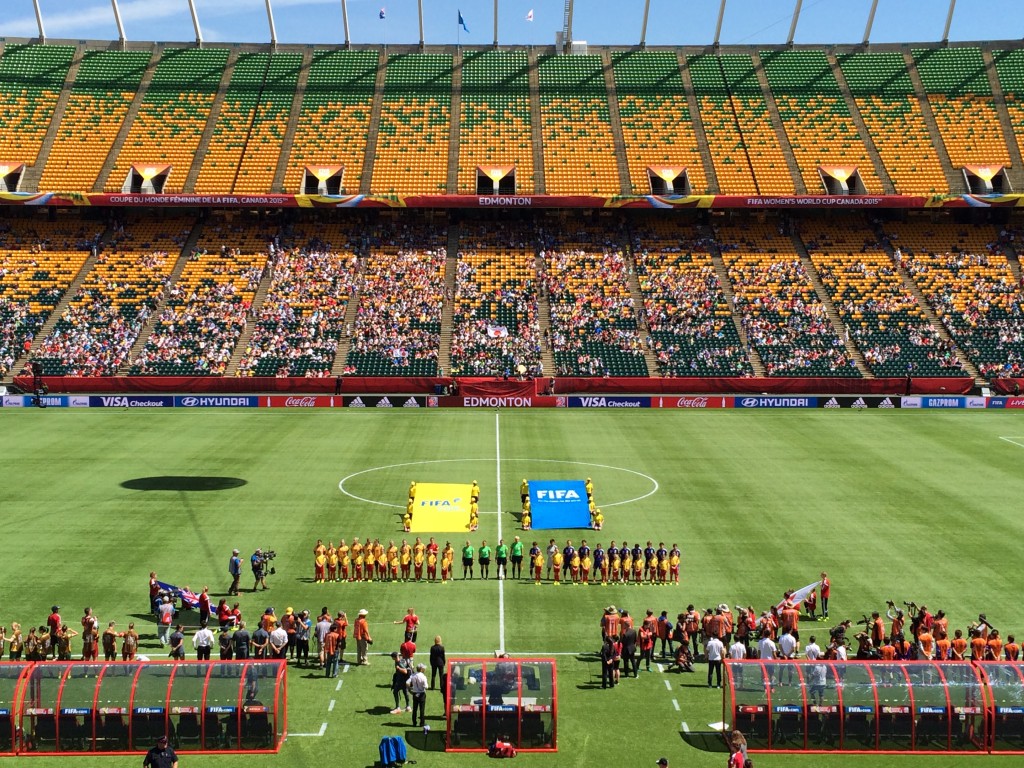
{"x":705,"y":741}
{"x":183,"y":483}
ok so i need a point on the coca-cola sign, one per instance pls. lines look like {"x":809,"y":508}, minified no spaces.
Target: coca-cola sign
{"x":693,"y":401}
{"x":300,"y":401}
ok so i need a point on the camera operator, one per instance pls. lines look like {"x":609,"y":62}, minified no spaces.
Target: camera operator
{"x":259,"y":569}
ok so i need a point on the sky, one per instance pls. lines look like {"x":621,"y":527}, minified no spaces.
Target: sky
{"x":599,"y":22}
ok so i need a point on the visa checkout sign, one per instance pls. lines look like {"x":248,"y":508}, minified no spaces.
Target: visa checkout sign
{"x":559,"y":504}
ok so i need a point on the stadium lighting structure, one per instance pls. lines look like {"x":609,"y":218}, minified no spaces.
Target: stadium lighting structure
{"x":117,"y":20}
{"x":344,"y":18}
{"x":422,"y":42}
{"x":643,"y":27}
{"x":796,"y":18}
{"x":195,"y":23}
{"x":871,"y":21}
{"x":567,"y":26}
{"x":39,"y":21}
{"x":949,"y":22}
{"x":718,"y":26}
{"x":273,"y":30}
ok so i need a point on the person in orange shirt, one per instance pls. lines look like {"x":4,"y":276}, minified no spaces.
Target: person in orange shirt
{"x":791,"y":620}
{"x":943,"y":648}
{"x":958,"y":647}
{"x":940,"y":626}
{"x":896,"y":616}
{"x":728,"y":623}
{"x":319,"y":549}
{"x":610,"y":623}
{"x":978,"y":646}
{"x":363,"y":638}
{"x":877,"y":630}
{"x":994,"y":647}
{"x":1011,"y":649}
{"x":926,"y":645}
{"x":887,"y":651}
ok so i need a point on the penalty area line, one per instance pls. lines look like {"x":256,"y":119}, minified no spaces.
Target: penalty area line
{"x":1013,"y":440}
{"x":318,"y":734}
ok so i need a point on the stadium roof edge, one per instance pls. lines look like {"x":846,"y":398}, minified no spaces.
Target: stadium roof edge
{"x":141,"y":45}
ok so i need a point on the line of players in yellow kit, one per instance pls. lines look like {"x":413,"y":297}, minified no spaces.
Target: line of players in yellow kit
{"x":373,"y":561}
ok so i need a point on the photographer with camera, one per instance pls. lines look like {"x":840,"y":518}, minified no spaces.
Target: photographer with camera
{"x":259,"y":561}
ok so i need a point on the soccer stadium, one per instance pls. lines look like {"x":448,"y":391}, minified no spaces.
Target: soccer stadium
{"x":716,"y":350}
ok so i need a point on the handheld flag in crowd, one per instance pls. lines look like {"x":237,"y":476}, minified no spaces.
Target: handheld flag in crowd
{"x":383,"y":14}
{"x":462,"y":23}
{"x":497,"y":331}
{"x":800,"y":595}
{"x":529,"y":15}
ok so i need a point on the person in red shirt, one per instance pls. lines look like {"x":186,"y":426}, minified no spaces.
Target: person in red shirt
{"x":791,"y":620}
{"x":204,"y":606}
{"x":877,"y":630}
{"x":811,"y":604}
{"x":826,"y":592}
{"x":610,"y":623}
{"x":53,"y":623}
{"x":412,"y":624}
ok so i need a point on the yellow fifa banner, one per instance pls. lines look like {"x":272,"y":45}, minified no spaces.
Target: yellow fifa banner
{"x":440,"y":507}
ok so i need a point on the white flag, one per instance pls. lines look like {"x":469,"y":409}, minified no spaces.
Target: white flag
{"x":529,"y":15}
{"x":799,"y":596}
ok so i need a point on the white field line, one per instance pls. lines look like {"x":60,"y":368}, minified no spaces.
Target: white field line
{"x":497,"y":491}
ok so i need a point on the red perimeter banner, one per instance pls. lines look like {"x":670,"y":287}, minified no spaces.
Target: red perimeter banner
{"x":698,"y":401}
{"x":664,"y":202}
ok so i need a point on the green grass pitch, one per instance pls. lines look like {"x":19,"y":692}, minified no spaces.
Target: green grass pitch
{"x":902,"y":505}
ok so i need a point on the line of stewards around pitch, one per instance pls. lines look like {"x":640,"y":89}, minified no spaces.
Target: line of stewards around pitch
{"x":625,"y":647}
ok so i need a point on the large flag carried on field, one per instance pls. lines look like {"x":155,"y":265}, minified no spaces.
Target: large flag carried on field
{"x":799,"y":596}
{"x":188,"y":598}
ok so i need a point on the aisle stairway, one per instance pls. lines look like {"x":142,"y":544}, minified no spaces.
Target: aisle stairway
{"x":351,"y":311}
{"x":147,"y":327}
{"x":211,"y":123}
{"x":929,"y":313}
{"x":451,"y":272}
{"x":33,"y":173}
{"x":129,"y":120}
{"x":293,"y":121}
{"x":250,"y":321}
{"x":69,"y":294}
{"x":535,"y":127}
{"x":698,"y":129}
{"x":723,"y":278}
{"x":547,"y":354}
{"x":641,"y":317}
{"x":954,"y":178}
{"x":374,"y":129}
{"x":837,"y":322}
{"x":776,"y":120}
{"x":615,"y":118}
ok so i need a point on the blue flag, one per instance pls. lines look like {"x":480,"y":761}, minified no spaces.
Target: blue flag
{"x":462,"y":23}
{"x":383,"y":15}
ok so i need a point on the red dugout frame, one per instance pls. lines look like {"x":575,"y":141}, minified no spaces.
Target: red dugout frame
{"x":86,"y":708}
{"x":874,"y":707}
{"x":513,"y":700}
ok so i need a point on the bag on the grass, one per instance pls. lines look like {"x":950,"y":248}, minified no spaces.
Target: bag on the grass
{"x":501,"y":749}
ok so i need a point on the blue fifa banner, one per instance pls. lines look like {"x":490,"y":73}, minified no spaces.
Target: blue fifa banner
{"x":216,"y":401}
{"x":598,"y":401}
{"x":559,"y":504}
{"x":131,"y":401}
{"x":776,"y":402}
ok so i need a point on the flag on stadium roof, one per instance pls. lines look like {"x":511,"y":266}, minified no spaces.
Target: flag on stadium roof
{"x":529,"y":15}
{"x":462,"y":23}
{"x":383,"y":14}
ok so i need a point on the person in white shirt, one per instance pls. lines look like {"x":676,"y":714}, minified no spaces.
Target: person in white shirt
{"x":766,"y":648}
{"x":278,"y":642}
{"x":203,"y":641}
{"x":417,"y":685}
{"x":787,"y":650}
{"x":715,"y":651}
{"x":737,"y":650}
{"x":813,"y":650}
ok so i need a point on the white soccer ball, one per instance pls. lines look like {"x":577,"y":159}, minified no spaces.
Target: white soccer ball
{"x":472,"y":680}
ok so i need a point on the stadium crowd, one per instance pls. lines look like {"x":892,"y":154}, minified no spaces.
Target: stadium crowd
{"x":299,"y":324}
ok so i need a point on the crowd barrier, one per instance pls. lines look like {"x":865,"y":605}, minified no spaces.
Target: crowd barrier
{"x":706,"y":402}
